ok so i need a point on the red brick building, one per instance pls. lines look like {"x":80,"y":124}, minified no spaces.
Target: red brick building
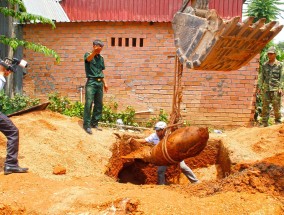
{"x":139,"y":56}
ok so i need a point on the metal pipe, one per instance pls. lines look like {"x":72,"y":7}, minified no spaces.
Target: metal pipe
{"x":124,"y":126}
{"x":145,"y":111}
{"x":81,"y":93}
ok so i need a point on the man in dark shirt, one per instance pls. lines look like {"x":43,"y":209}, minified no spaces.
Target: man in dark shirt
{"x":11,"y":132}
{"x":94,"y":66}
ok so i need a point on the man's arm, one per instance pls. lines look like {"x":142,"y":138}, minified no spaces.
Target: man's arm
{"x":260,"y":80}
{"x":2,"y":82}
{"x":281,"y":87}
{"x":96,"y":50}
{"x":105,"y":85}
{"x":3,"y":72}
{"x":91,"y":56}
{"x":148,"y":140}
{"x":142,"y":141}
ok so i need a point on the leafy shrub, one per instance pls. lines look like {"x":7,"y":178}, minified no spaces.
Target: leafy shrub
{"x":17,"y":103}
{"x":64,"y":106}
{"x":74,"y":109}
{"x":163,"y":116}
{"x":58,"y":103}
{"x":127,"y":116}
{"x":111,"y":116}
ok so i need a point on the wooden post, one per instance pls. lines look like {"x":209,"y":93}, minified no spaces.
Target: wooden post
{"x":9,"y":86}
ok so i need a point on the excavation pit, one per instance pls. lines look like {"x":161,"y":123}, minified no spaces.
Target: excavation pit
{"x":211,"y":164}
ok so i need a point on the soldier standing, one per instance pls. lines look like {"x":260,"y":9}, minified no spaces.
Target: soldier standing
{"x":94,"y":66}
{"x":271,"y":83}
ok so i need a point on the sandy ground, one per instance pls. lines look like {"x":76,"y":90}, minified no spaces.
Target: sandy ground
{"x":50,"y":142}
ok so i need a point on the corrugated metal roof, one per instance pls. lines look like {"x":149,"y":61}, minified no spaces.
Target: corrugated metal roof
{"x":47,"y":8}
{"x":121,"y":10}
{"x":227,"y":8}
{"x":139,"y":10}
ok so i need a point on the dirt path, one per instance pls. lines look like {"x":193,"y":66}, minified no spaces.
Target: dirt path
{"x":48,"y":140}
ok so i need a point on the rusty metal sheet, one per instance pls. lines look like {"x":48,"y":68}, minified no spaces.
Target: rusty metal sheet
{"x":121,"y":10}
{"x":227,"y":8}
{"x":139,"y":10}
{"x":39,"y":107}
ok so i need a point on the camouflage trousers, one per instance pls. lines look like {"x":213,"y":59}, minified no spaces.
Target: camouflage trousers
{"x":274,"y":98}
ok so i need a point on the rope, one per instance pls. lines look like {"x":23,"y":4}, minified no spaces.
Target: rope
{"x":177,"y":94}
{"x":165,"y":151}
{"x":175,"y":115}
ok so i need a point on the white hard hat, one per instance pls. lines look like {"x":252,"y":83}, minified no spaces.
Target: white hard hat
{"x":160,"y":125}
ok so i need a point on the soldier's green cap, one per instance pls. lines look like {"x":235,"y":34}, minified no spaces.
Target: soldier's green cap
{"x":271,"y":50}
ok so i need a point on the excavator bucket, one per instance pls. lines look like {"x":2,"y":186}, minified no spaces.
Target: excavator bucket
{"x":204,"y":41}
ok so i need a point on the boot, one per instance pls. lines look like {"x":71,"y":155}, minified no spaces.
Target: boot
{"x":264,"y":124}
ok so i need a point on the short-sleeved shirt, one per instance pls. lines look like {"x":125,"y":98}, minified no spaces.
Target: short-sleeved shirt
{"x":153,"y":138}
{"x":272,"y":77}
{"x":94,"y":68}
{"x":2,"y":82}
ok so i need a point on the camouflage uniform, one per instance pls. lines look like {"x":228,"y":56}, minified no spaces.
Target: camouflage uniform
{"x":271,"y":80}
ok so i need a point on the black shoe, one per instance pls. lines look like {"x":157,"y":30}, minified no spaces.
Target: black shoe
{"x":96,"y":127}
{"x":88,"y":130}
{"x":9,"y":170}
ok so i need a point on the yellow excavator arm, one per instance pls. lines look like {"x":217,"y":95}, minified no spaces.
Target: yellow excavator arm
{"x":204,"y":41}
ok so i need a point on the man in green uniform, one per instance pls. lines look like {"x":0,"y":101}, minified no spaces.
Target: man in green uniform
{"x":271,"y":82}
{"x":94,"y":66}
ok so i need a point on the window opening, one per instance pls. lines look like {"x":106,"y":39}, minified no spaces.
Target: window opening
{"x":112,"y":41}
{"x":133,"y":42}
{"x":120,"y":41}
{"x":141,"y":42}
{"x":126,"y":42}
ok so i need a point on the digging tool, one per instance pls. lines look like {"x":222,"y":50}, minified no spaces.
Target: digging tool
{"x":204,"y":41}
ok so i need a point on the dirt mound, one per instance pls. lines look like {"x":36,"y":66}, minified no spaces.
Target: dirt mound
{"x":49,"y":139}
{"x":260,"y":177}
{"x":241,"y":172}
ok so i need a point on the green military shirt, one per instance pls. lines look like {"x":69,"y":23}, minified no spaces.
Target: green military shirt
{"x":271,"y":77}
{"x":94,"y":68}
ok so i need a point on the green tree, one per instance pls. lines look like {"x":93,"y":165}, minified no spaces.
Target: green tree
{"x":18,"y":12}
{"x":280,"y":51}
{"x":267,"y":9}
{"x":281,"y":47}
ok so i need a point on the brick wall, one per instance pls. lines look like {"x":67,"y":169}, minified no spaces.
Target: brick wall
{"x":140,"y":76}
